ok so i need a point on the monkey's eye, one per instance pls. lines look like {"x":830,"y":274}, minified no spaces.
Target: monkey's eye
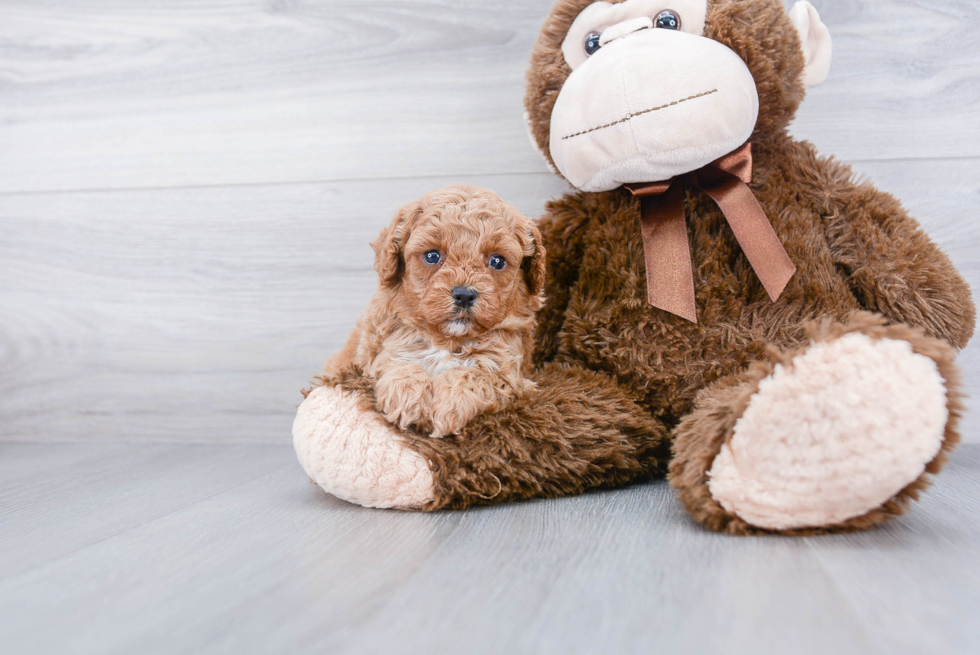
{"x":497,"y":262}
{"x":668,"y":20}
{"x":592,"y":43}
{"x":432,"y":257}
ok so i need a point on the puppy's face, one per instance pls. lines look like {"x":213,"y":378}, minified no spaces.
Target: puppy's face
{"x":460,"y":261}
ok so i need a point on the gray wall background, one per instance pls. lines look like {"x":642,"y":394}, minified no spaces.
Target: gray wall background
{"x":188,"y":188}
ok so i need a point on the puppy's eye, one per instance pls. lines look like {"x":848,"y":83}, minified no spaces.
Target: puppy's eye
{"x":432,"y":257}
{"x":497,"y":262}
{"x":668,"y":20}
{"x":592,"y":43}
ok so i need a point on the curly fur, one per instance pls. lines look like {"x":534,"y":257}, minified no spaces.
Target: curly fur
{"x":435,"y":365}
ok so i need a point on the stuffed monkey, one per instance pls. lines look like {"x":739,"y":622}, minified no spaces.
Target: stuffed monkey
{"x":724,"y":307}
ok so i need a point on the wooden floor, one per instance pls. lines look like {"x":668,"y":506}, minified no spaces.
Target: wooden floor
{"x":185,"y":548}
{"x":187,"y":191}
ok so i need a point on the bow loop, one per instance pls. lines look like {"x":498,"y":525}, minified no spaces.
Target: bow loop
{"x":737,"y":163}
{"x":670,"y":278}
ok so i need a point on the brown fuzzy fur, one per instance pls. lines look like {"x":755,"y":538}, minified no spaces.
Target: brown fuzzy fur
{"x":433,"y":364}
{"x":619,"y":376}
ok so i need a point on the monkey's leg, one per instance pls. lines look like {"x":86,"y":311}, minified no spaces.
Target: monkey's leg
{"x":575,"y":431}
{"x":837,"y":436}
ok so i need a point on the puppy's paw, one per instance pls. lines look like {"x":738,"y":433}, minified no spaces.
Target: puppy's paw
{"x":403,"y":396}
{"x":448,"y":419}
{"x":457,"y":398}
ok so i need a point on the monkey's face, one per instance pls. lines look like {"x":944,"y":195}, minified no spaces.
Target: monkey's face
{"x":645,"y":90}
{"x":642,"y":103}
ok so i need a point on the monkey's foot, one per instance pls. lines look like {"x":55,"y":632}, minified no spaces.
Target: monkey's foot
{"x":838,"y":436}
{"x":833,"y":435}
{"x":355,"y":455}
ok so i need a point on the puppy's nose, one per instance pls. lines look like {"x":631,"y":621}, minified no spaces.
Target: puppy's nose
{"x":464,"y":297}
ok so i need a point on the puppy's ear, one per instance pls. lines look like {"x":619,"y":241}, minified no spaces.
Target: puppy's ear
{"x":388,"y":259}
{"x":534,"y":265}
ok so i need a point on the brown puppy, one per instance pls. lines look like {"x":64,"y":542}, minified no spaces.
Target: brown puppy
{"x":448,"y":335}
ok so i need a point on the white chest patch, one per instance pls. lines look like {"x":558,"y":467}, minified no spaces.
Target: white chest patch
{"x":436,"y":361}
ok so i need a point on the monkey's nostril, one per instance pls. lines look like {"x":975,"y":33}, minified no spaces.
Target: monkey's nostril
{"x":464,"y":297}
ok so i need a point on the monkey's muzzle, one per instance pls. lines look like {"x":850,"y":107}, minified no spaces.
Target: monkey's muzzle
{"x":649,"y":106}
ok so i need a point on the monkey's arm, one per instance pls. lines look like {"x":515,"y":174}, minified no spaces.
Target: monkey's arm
{"x":894,"y":268}
{"x":562,"y":229}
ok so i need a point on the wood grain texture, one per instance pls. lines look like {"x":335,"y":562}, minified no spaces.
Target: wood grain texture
{"x":904,"y":83}
{"x":275,"y":565}
{"x":109,"y":94}
{"x":55,"y":501}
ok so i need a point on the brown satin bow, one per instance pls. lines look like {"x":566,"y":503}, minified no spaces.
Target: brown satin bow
{"x":670,"y":279}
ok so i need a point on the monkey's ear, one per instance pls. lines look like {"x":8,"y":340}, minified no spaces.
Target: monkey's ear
{"x":817,"y":45}
{"x":534,"y":265}
{"x":388,"y":259}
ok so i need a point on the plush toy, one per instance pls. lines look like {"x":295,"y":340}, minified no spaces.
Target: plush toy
{"x":723,"y":306}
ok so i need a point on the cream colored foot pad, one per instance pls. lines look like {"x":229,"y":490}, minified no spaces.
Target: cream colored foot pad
{"x":834,"y":435}
{"x":354,"y":455}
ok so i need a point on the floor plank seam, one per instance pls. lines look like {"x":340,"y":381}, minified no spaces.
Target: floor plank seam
{"x":277,"y":183}
{"x":401,"y":178}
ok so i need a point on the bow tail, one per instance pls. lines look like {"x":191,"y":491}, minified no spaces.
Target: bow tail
{"x":670,"y":279}
{"x":753,"y":231}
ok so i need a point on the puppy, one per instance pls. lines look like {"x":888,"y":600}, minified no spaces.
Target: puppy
{"x":449,"y":333}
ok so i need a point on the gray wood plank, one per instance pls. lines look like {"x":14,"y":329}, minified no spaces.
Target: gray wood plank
{"x":115,"y":95}
{"x":905,"y":81}
{"x":60,"y":499}
{"x":614,"y":573}
{"x":111,"y":94}
{"x":197,"y":314}
{"x":275,"y":565}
